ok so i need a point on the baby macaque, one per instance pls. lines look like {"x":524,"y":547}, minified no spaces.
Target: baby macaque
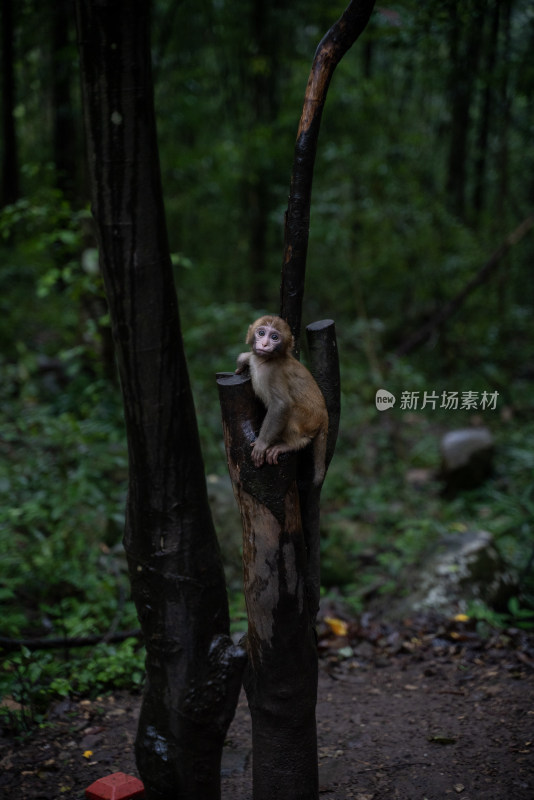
{"x":296,"y":410}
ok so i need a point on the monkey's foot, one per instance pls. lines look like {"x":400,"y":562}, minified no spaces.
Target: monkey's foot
{"x":272,"y":453}
{"x":258,"y":454}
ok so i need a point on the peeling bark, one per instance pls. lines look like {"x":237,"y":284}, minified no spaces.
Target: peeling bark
{"x":279,"y":508}
{"x":281,"y":675}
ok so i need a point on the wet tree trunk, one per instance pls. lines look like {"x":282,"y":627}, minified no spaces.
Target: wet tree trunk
{"x":193,"y":670}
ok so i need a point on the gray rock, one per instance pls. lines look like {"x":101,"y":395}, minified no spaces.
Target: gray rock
{"x":467,"y":458}
{"x":466,"y":567}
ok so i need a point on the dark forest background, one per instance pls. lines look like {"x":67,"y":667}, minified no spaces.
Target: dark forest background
{"x":424,"y":177}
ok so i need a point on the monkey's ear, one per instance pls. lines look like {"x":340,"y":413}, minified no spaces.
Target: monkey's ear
{"x":250,"y":334}
{"x":290,"y":339}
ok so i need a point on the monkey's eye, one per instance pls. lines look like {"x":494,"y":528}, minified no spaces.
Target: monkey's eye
{"x":260,"y":332}
{"x":274,"y":337}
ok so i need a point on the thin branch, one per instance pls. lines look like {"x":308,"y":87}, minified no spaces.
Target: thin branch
{"x":450,"y":308}
{"x":330,"y":51}
{"x":55,"y":643}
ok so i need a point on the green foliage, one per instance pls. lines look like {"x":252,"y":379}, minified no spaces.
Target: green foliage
{"x":62,"y":498}
{"x":386,"y":514}
{"x":387,"y":250}
{"x":32,"y":680}
{"x":49,"y":276}
{"x":517,"y":616}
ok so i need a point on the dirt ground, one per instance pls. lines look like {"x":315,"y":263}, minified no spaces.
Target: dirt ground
{"x":418,"y":710}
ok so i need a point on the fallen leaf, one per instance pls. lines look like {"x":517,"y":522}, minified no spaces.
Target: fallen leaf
{"x":337,"y":626}
{"x":442,"y":739}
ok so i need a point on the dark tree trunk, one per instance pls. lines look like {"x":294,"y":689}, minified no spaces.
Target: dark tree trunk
{"x":505,"y":107}
{"x":262,"y":88}
{"x":324,"y":365}
{"x":64,"y":135}
{"x":486,"y":114}
{"x":464,"y":55}
{"x":10,"y":171}
{"x":193,"y":670}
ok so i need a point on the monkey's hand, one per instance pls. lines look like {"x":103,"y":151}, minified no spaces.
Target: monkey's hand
{"x":242,"y":362}
{"x":258,"y":452}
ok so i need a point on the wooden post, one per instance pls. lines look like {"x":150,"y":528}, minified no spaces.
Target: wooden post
{"x":324,"y":364}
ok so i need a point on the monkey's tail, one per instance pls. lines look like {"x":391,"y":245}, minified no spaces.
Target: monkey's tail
{"x":319,"y":456}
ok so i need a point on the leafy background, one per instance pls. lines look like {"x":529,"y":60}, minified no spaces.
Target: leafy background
{"x":424,"y":167}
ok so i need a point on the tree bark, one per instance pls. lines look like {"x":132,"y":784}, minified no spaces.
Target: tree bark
{"x":464,"y":57}
{"x":193,"y":670}
{"x":324,"y":365}
{"x":279,"y":508}
{"x":330,"y":51}
{"x":281,"y":676}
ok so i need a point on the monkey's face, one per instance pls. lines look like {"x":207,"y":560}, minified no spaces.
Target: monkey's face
{"x":268,"y":341}
{"x":270,"y":336}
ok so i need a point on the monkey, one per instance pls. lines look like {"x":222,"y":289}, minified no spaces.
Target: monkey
{"x":296,"y":410}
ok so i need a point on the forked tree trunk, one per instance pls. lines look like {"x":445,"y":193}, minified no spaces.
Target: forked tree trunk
{"x":193,"y":670}
{"x":279,"y":504}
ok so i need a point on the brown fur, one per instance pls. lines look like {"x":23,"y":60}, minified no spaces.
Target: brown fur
{"x":296,"y":410}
